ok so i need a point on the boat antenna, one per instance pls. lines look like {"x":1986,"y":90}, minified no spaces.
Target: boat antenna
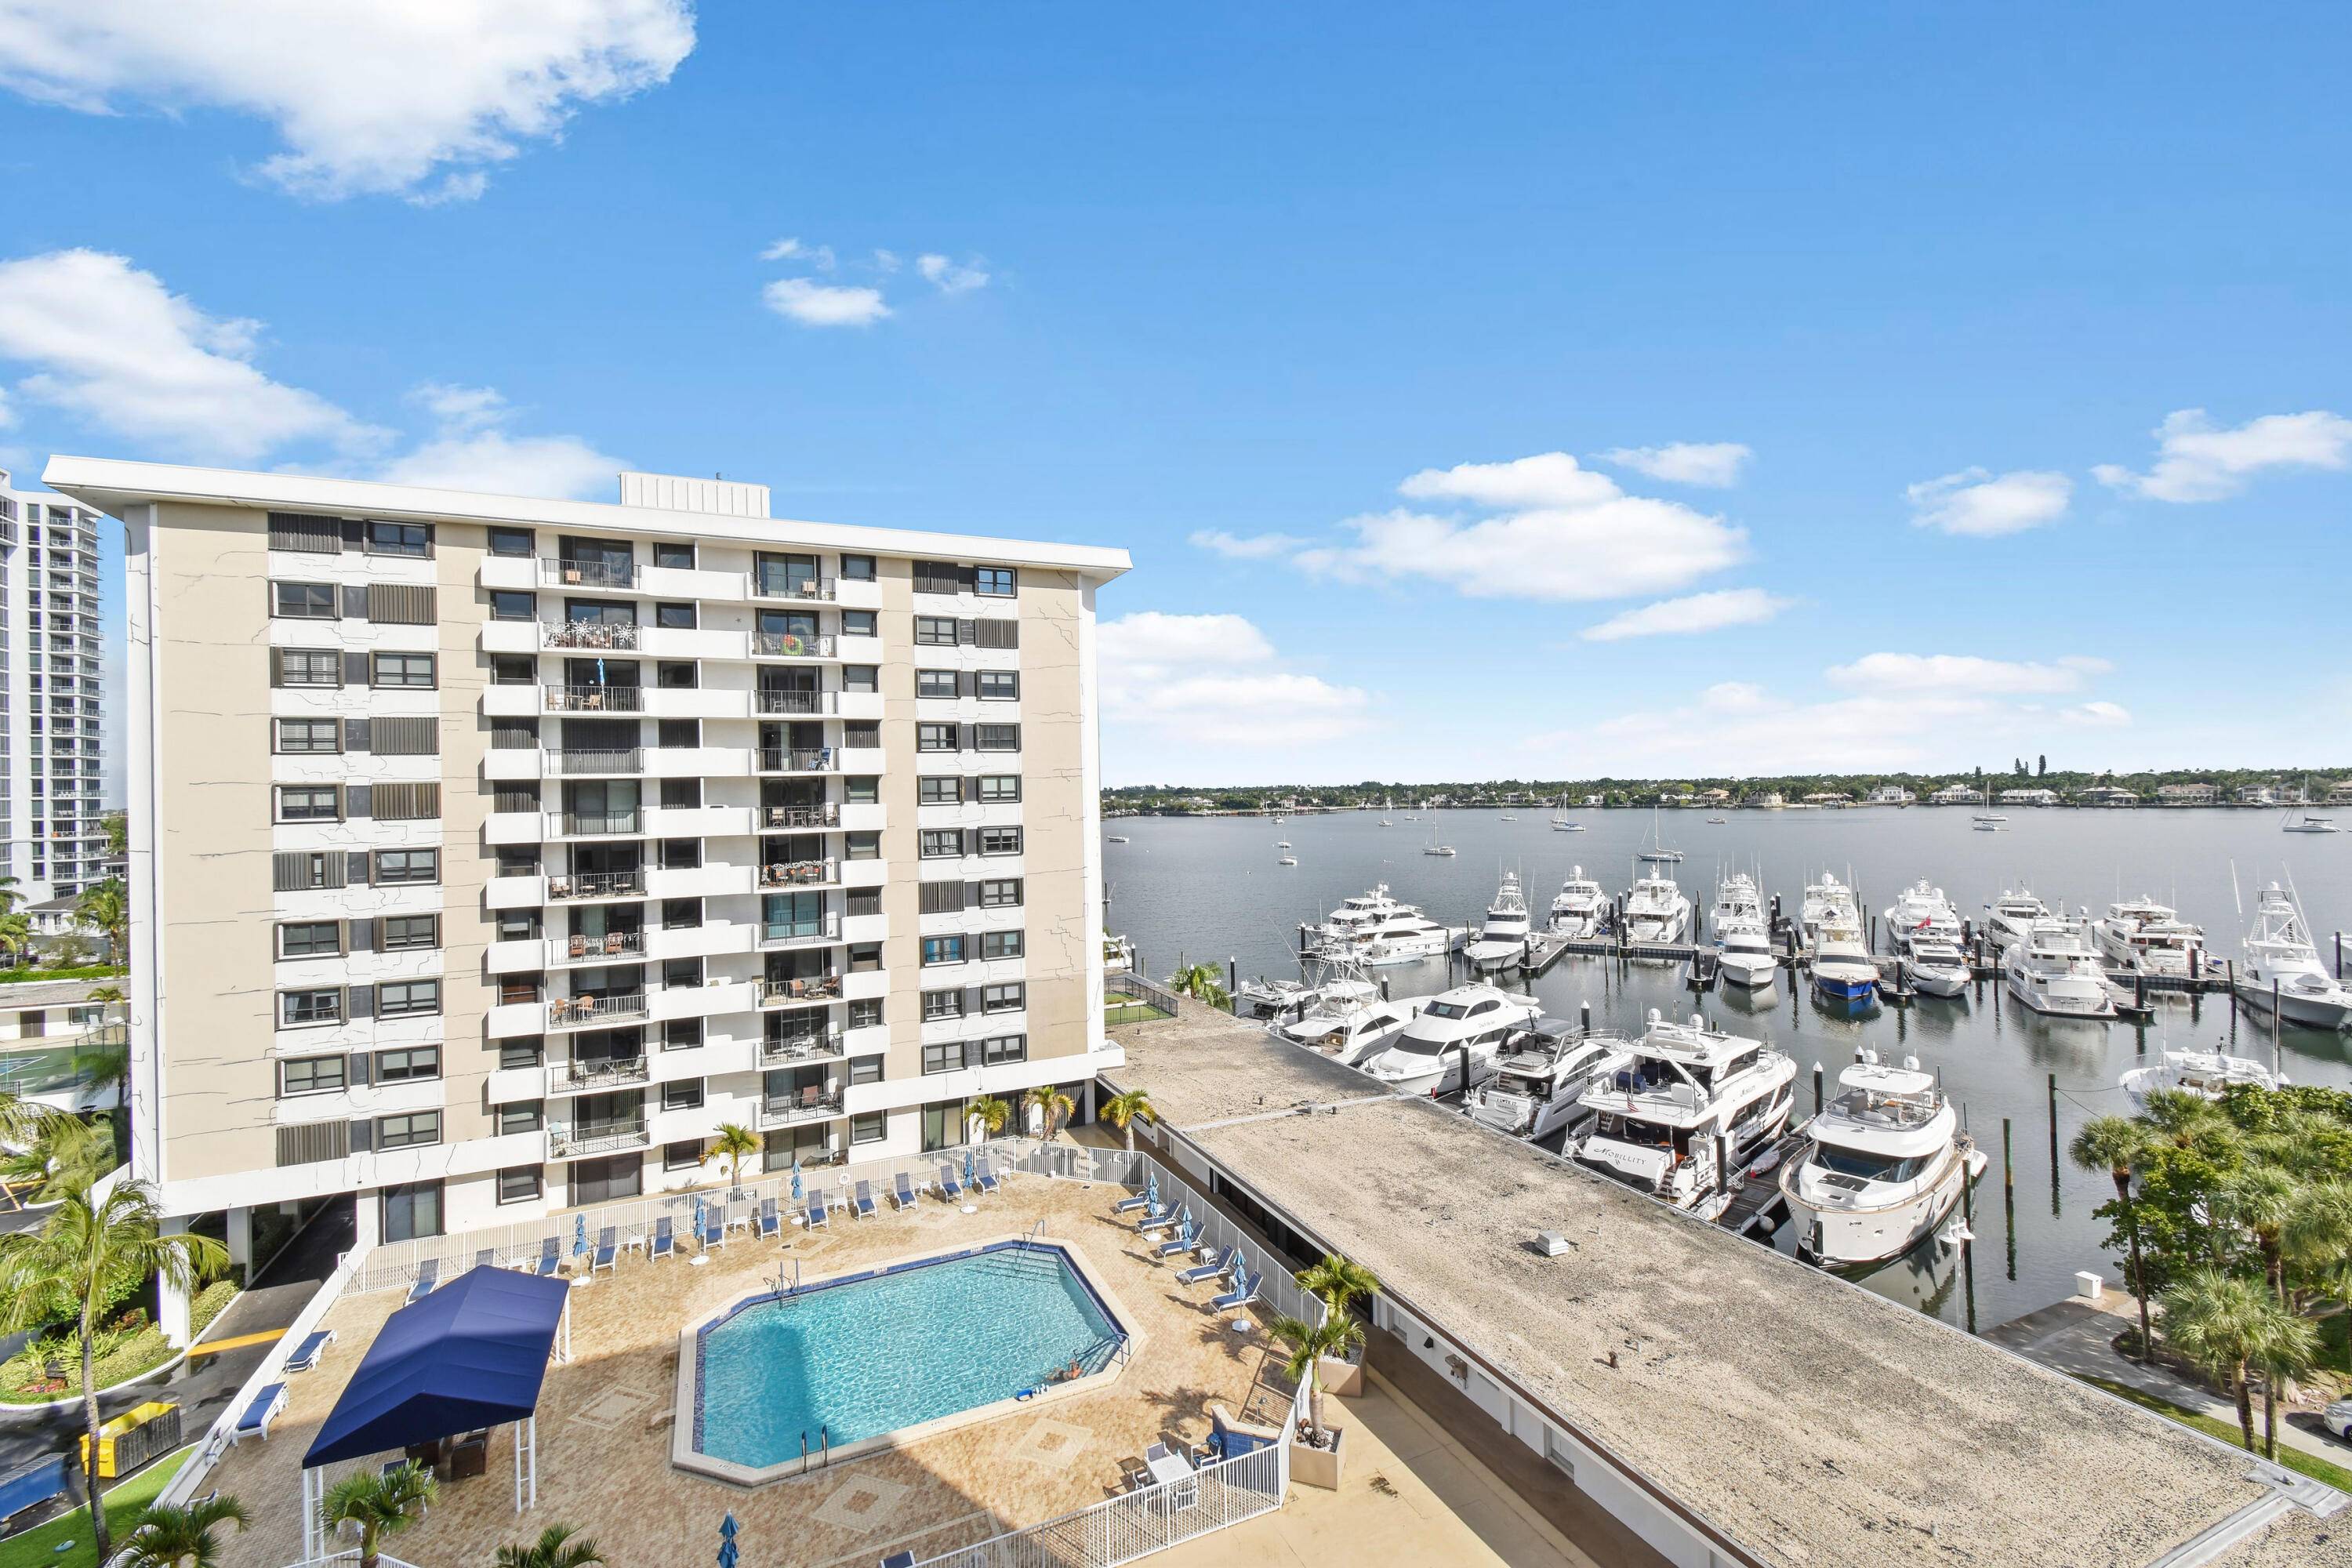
{"x":2234,"y":897}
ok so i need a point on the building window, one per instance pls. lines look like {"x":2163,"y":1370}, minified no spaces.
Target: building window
{"x":1001,"y":944}
{"x":859,"y":624}
{"x":510,"y":541}
{"x":996,"y":737}
{"x":682,"y":1094}
{"x":935,"y":631}
{"x":521,"y":1053}
{"x":865,"y":1013}
{"x":309,"y":802}
{"x":865,"y":958}
{"x":310,"y":939}
{"x":519,"y":1185}
{"x":413,"y":1212}
{"x":935,"y":737}
{"x":935,"y":789}
{"x":939,"y":1004}
{"x":942,"y":950}
{"x":309,"y":1075}
{"x":406,"y":933}
{"x":999,"y":1049}
{"x":399,"y":539}
{"x":869,"y":1127}
{"x":513,"y":604}
{"x":678,"y":554}
{"x":393,"y":867}
{"x":857,"y":568}
{"x":686,"y":1154}
{"x":935,"y":683}
{"x":1007,"y":998}
{"x":413,"y":671}
{"x":523,"y":1117}
{"x":681,"y":1034}
{"x":308,"y":665}
{"x":1005,"y":893}
{"x":861,"y":678}
{"x":941,"y":843}
{"x":417,"y":1130}
{"x":945,"y":1057}
{"x":993,"y":582}
{"x":1000,"y":841}
{"x":305,"y":600}
{"x":304,"y":737}
{"x":674,"y":618}
{"x":406,"y":1066}
{"x":1000,"y":685}
{"x":998,"y":789}
{"x":407,"y":998}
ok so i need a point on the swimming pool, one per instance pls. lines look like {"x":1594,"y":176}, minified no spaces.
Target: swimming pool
{"x":849,"y":1361}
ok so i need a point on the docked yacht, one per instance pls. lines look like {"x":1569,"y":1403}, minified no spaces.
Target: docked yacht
{"x":2279,"y":967}
{"x":1502,"y":942}
{"x":1263,"y":998}
{"x":1657,"y":910}
{"x":1743,"y":940}
{"x":1539,"y":1081}
{"x":1577,"y":909}
{"x":1425,"y":1058}
{"x":1374,"y":929}
{"x":1685,"y":1109}
{"x":1349,"y":1033}
{"x":2203,"y":1073}
{"x":1885,"y":1162}
{"x":2012,"y":917}
{"x":1843,"y":970}
{"x":1926,"y":934}
{"x":2144,"y":935}
{"x":1825,"y":898}
{"x":2053,"y":970}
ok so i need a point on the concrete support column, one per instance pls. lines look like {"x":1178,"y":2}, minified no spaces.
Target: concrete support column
{"x":240,"y":1239}
{"x":171,"y":1302}
{"x":367,"y":1228}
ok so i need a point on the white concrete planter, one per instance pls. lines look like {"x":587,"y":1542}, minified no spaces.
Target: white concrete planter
{"x":1344,"y":1378}
{"x":1320,"y":1467}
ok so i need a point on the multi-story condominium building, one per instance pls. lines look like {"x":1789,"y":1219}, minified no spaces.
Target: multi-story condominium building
{"x":52,"y":741}
{"x":488,"y":853}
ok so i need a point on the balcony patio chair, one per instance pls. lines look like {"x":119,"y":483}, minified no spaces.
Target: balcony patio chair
{"x":550,"y":1257}
{"x":1186,"y":1239}
{"x":1147,"y":1199}
{"x":1222,"y":1265}
{"x":311,"y":1352}
{"x":902,"y":1191}
{"x":984,"y":1175}
{"x":665,"y":1242}
{"x":817,"y":1216}
{"x":950,"y":1189}
{"x":770,"y":1221}
{"x":714,"y":1227}
{"x":865,"y":1207}
{"x":608,"y":1248}
{"x":426,"y":1278}
{"x":1244,"y":1291}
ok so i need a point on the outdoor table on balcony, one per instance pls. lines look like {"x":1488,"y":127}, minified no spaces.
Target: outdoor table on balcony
{"x":1173,"y":1468}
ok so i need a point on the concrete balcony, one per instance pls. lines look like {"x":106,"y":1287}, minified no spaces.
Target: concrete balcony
{"x":596,"y":1012}
{"x":870,"y":817}
{"x":861,"y":704}
{"x":778,"y":876}
{"x":711,"y":939}
{"x":801,"y":760}
{"x":697,"y":702}
{"x":513,"y":762}
{"x":857,"y":594}
{"x":821,"y":1043}
{"x":698,"y":762}
{"x":518,"y":700}
{"x":590,"y":886}
{"x":517,"y":957}
{"x":823,"y":932}
{"x":576,"y":1140}
{"x":512,"y":1020}
{"x":513,"y":827}
{"x":711,"y":1000}
{"x":864,"y":928}
{"x":708,"y":881}
{"x":595,"y":1076}
{"x":514,"y":892}
{"x":866,"y":984}
{"x":699,"y":822}
{"x":797,"y":704}
{"x":859,"y":759}
{"x":812,"y":1104}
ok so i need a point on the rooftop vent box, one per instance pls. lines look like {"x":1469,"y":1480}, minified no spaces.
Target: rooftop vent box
{"x":676,"y":492}
{"x":1551,"y":1243}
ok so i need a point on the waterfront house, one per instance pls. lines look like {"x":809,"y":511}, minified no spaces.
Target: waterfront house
{"x":1957,"y":794}
{"x":2111,"y":796}
{"x":2187,"y":794}
{"x":2029,"y":797}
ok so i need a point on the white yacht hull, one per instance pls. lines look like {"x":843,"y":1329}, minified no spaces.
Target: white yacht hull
{"x":2312,"y":1012}
{"x":1940,"y":982}
{"x":1662,"y":930}
{"x":1755,"y":971}
{"x":1519,"y":1117}
{"x":1489,"y":953}
{"x":1575,"y":927}
{"x":2065,"y":999}
{"x":1442,"y":1075}
{"x":1849,"y":1237}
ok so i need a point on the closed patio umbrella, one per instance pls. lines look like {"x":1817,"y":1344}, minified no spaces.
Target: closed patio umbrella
{"x":727,"y":1541}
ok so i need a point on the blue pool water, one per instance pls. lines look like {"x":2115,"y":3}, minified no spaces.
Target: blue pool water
{"x":873,"y":1355}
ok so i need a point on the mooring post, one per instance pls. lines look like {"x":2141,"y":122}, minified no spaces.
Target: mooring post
{"x":2054,"y":1143}
{"x":1817,"y":1088}
{"x":2008,"y":1196}
{"x":2278,"y":1027}
{"x":1233,"y":975}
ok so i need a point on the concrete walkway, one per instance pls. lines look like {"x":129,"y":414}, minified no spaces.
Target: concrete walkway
{"x":2077,"y":1337}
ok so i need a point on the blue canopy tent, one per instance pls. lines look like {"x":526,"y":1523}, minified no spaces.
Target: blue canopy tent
{"x":472,"y":1354}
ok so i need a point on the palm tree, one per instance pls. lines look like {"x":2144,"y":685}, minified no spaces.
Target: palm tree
{"x":2289,"y":1349}
{"x":2219,"y":1322}
{"x":1124,"y":1110}
{"x":2261,"y":1199}
{"x":991,"y":1112}
{"x":2117,"y":1143}
{"x":166,"y":1535}
{"x":1338,"y":1281}
{"x":84,"y":1258}
{"x":8,"y":894}
{"x":734,"y":1143}
{"x":558,"y":1546}
{"x":16,"y":934}
{"x":68,"y":1156}
{"x":1336,"y":1335}
{"x":105,"y":908}
{"x":1051,"y":1106}
{"x":2317,"y":1239}
{"x":381,"y":1503}
{"x":1199,"y":981}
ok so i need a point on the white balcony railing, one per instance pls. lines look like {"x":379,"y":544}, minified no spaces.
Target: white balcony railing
{"x":592,"y":1012}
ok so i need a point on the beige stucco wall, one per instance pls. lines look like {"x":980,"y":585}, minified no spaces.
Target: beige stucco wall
{"x":467,"y":1058}
{"x":1054,"y":814}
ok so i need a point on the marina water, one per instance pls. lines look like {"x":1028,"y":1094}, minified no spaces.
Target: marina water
{"x":1208,"y":889}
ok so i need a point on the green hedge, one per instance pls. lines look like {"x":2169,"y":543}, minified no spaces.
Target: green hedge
{"x":118,"y":1355}
{"x":80,"y":972}
{"x":207,"y":1308}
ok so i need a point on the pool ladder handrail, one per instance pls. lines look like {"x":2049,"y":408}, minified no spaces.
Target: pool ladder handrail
{"x":1036,"y":1235}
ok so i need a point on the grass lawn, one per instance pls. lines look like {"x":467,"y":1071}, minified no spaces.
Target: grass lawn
{"x":2293,"y":1458}
{"x":39,"y":1545}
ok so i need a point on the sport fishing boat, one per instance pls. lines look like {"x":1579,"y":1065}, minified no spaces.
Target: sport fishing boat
{"x":1927,"y":933}
{"x":2012,"y":917}
{"x":1577,"y":909}
{"x":1657,"y":910}
{"x":1743,"y":939}
{"x":2280,"y":968}
{"x":2202,"y":1073}
{"x":2053,"y":970}
{"x":1884,"y":1165}
{"x":1843,"y":970}
{"x":1263,"y":998}
{"x":1426,"y":1057}
{"x":2144,"y":935}
{"x":1541,"y":1078}
{"x":1502,"y":942}
{"x":1349,"y":1033}
{"x":1824,"y":899}
{"x":1686,"y":1108}
{"x":1373,"y":929}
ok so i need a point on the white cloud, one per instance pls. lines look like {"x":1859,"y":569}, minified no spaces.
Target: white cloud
{"x":951,"y":276}
{"x":2098,"y":715}
{"x":1216,"y":681}
{"x":817,"y":255}
{"x":1908,"y":674}
{"x":1714,"y":464}
{"x":1741,"y":728}
{"x":470,"y":450}
{"x":886,"y":262}
{"x":1981,"y":504}
{"x":7,"y":415}
{"x":1563,"y":532}
{"x":108,"y":343}
{"x":368,"y":96}
{"x":2197,"y":462}
{"x":1245,"y":547}
{"x":814,"y":304}
{"x":1695,"y":612}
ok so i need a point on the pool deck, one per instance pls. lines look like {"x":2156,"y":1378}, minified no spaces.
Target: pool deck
{"x":604,"y":1418}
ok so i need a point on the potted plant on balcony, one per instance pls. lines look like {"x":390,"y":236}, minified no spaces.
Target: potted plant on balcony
{"x":1338,"y":1282}
{"x":1318,"y":1456}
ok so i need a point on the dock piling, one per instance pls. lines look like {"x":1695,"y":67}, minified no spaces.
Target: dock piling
{"x":1817,"y":1088}
{"x":1584,"y":1017}
{"x":2053,"y":1143}
{"x":2009,"y":1195}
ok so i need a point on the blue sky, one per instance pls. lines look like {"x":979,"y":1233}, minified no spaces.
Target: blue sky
{"x":1343,"y":288}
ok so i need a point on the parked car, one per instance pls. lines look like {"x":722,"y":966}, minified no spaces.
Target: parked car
{"x":2338,"y":1418}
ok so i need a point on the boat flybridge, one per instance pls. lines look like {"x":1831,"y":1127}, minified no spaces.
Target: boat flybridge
{"x":1426,"y":1055}
{"x":2144,"y":935}
{"x":1657,"y":910}
{"x":1541,"y":1078}
{"x":1263,"y":998}
{"x":1926,"y":933}
{"x":1374,"y":929}
{"x":2012,"y":917}
{"x":1884,"y":1166}
{"x":1502,"y":942}
{"x":1577,"y":909}
{"x":1843,"y":970}
{"x":2206,"y":1074}
{"x":2054,"y":970}
{"x":1743,"y":938}
{"x":1349,"y":1031}
{"x":1686,"y":1106}
{"x":2280,"y":969}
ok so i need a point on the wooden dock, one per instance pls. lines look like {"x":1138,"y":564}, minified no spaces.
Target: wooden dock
{"x":1757,"y":1205}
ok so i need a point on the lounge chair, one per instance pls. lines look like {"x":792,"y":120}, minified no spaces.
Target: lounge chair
{"x":1147,"y":1199}
{"x":426,"y":1278}
{"x":985,"y":1177}
{"x":265,"y":1407}
{"x":1225,"y":1263}
{"x":608,"y":1248}
{"x":900,"y":1559}
{"x":902,"y":1191}
{"x":1244,"y":1291}
{"x":950,"y":1189}
{"x":309,"y":1353}
{"x":1180,"y":1218}
{"x":1186,"y":1239}
{"x":714,"y":1227}
{"x":863,"y":1202}
{"x":550,"y":1257}
{"x":770,"y":1223}
{"x":665,"y":1242}
{"x":817,"y":1216}
{"x":1157,"y":1217}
